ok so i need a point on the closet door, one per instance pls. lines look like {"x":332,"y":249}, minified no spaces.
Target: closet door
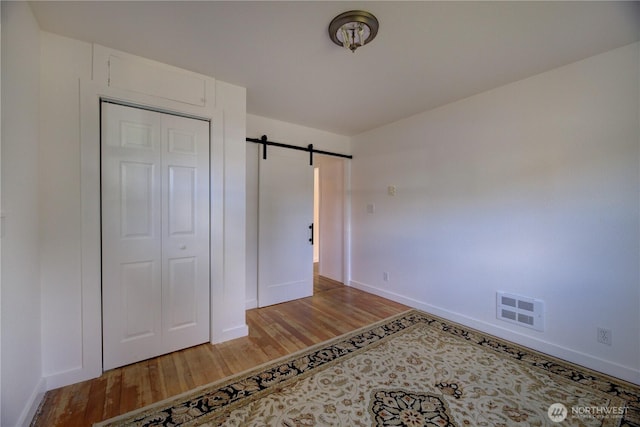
{"x":155,"y":233}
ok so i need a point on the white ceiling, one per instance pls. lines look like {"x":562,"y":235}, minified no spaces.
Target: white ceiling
{"x":426,"y":54}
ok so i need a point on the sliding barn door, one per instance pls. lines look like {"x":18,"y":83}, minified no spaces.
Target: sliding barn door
{"x":285,"y":250}
{"x":155,"y":233}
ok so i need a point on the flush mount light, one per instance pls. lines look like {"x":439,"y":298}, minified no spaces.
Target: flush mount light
{"x":353,"y":29}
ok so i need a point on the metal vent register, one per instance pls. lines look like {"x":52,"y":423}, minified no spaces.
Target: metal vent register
{"x":520,"y":310}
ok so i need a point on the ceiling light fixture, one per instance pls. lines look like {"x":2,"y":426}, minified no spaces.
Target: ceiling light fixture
{"x":353,"y":29}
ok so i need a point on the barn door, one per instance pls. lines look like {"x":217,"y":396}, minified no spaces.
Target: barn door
{"x":155,"y":233}
{"x":285,"y":246}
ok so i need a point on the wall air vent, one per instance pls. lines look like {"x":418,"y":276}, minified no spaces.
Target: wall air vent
{"x":523,"y":311}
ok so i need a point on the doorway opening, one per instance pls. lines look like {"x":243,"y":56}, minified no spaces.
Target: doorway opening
{"x":316,"y":221}
{"x":329,"y":208}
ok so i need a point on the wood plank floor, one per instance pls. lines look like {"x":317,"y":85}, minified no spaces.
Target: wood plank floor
{"x":274,"y":331}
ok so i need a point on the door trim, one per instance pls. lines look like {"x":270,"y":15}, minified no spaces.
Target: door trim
{"x":108,"y":100}
{"x":90,"y":365}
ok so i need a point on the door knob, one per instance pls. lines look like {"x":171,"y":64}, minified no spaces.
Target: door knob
{"x":183,"y":247}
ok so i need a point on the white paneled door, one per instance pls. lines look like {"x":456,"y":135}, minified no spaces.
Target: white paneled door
{"x":285,"y":250}
{"x":155,"y":233}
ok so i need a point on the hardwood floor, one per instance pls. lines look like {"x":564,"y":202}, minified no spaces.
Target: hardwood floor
{"x":274,"y":331}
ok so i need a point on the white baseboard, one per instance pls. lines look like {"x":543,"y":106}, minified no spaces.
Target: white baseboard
{"x":251,"y":303}
{"x":564,"y":353}
{"x":72,"y":376}
{"x":231,"y":333}
{"x":32,"y":404}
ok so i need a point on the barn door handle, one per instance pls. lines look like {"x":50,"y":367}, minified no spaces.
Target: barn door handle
{"x":311,"y":238}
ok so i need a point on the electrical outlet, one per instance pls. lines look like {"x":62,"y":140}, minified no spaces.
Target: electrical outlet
{"x":604,"y":336}
{"x":385,"y":276}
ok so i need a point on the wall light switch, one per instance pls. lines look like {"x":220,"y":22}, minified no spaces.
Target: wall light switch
{"x":371,"y":208}
{"x":391,"y":190}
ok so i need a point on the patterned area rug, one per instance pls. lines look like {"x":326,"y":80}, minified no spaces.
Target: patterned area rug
{"x":410,"y":370}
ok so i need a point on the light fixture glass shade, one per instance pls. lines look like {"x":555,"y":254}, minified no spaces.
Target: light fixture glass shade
{"x":353,"y":29}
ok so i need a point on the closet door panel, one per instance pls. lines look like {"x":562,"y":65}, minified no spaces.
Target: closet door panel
{"x":155,"y":233}
{"x":185,"y":286}
{"x":131,"y":235}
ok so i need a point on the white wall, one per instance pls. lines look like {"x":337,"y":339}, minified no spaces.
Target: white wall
{"x":287,"y":133}
{"x":531,"y":188}
{"x":71,"y":71}
{"x":20,"y":371}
